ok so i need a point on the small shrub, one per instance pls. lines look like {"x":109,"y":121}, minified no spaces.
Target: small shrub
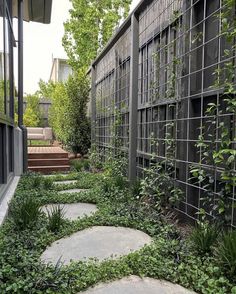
{"x":204,"y":236}
{"x":81,"y":165}
{"x":36,"y":181}
{"x":48,"y":184}
{"x":135,"y":189}
{"x":120,"y":182}
{"x":24,"y":212}
{"x":226,"y":253}
{"x":55,"y":218}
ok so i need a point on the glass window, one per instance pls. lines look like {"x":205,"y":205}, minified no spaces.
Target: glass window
{"x":4,"y":58}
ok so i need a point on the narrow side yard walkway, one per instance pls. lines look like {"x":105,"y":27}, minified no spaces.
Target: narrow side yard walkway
{"x":105,"y":242}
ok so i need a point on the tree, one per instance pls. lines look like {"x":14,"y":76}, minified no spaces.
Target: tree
{"x":32,"y":115}
{"x":58,"y":112}
{"x":91,"y":24}
{"x":30,"y":118}
{"x":78,"y":139}
{"x":45,"y":89}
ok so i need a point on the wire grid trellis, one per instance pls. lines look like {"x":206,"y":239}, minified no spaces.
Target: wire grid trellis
{"x":180,"y":49}
{"x":112,"y":96}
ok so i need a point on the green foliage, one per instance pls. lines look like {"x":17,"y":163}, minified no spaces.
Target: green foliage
{"x":81,"y":164}
{"x":89,"y":28}
{"x":24,"y":212}
{"x":68,"y":113}
{"x":135,"y":189}
{"x":216,"y":139}
{"x":58,"y":114}
{"x":95,"y":158}
{"x":204,"y":237}
{"x":45,"y":89}
{"x":32,"y":116}
{"x":159,"y":188}
{"x":55,"y":218}
{"x":78,"y":125}
{"x":2,"y":97}
{"x":168,"y":257}
{"x":226,"y":253}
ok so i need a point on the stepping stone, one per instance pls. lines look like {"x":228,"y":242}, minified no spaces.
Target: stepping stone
{"x":65,"y":182}
{"x":98,"y":242}
{"x":55,"y":175}
{"x":136,"y":285}
{"x":71,"y":191}
{"x":73,"y":211}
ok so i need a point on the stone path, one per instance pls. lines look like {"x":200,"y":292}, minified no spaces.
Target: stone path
{"x":55,"y":175}
{"x":73,"y":211}
{"x":71,"y":191}
{"x":136,"y":285}
{"x":65,"y":182}
{"x":102,"y":242}
{"x":99,"y":242}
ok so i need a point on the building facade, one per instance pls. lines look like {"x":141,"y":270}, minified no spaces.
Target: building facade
{"x":161,"y":71}
{"x":60,"y":70}
{"x":13,"y":137}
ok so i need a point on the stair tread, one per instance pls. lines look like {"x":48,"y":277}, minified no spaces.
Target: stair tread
{"x":49,"y":166}
{"x":39,"y":159}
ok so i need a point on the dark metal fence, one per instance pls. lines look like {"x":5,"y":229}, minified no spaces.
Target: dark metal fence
{"x":160,"y":72}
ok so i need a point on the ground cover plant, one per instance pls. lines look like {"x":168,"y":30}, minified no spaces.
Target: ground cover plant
{"x":170,"y":256}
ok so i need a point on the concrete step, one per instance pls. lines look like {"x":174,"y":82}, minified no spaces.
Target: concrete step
{"x":49,"y":169}
{"x":48,"y":162}
{"x":47,"y":155}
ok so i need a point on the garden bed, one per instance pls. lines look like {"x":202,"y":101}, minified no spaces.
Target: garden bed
{"x":24,"y":239}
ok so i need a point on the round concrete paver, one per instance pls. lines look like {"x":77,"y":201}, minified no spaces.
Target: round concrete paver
{"x":74,"y":210}
{"x":65,"y":182}
{"x":97,"y":242}
{"x":136,"y":285}
{"x":71,"y":191}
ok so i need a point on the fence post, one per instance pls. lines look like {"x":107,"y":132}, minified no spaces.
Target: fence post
{"x":93,"y":104}
{"x":133,"y":105}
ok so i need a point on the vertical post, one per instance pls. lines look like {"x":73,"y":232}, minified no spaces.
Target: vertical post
{"x":20,"y":62}
{"x":133,"y":105}
{"x":93,"y":104}
{"x":11,"y":63}
{"x":20,"y":83}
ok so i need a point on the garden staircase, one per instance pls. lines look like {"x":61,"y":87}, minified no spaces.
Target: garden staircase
{"x":47,"y":160}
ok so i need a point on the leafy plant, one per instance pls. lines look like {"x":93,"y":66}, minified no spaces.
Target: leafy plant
{"x":95,"y":158}
{"x":158,"y":188}
{"x":47,"y":183}
{"x":204,"y":237}
{"x":135,"y":189}
{"x":33,"y":114}
{"x":89,"y":28}
{"x":24,"y":212}
{"x":36,"y":181}
{"x":55,"y":217}
{"x":226,"y":253}
{"x":81,"y":164}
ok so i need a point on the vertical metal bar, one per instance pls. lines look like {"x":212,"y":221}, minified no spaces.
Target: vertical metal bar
{"x":20,"y":62}
{"x":93,"y":105}
{"x":133,"y":105}
{"x":11,"y":62}
{"x":20,"y":83}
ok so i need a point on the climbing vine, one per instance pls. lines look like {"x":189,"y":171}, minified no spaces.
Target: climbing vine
{"x":216,"y":142}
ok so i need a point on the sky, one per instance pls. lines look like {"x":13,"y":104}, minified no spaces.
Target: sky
{"x":43,"y":42}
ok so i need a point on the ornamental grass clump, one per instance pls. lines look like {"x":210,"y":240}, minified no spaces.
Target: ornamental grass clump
{"x":226,"y":253}
{"x":55,"y":218}
{"x":204,"y":237}
{"x":24,"y":212}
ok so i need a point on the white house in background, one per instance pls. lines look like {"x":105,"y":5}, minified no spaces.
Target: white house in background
{"x":60,"y":70}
